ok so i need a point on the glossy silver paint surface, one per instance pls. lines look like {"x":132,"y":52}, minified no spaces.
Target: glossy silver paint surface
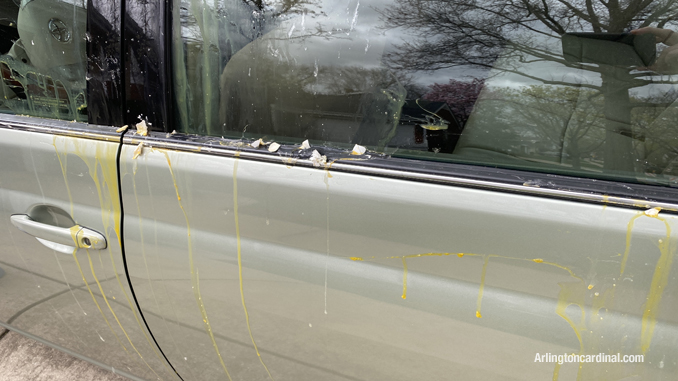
{"x":329,"y":274}
{"x":81,"y":300}
{"x":256,"y":270}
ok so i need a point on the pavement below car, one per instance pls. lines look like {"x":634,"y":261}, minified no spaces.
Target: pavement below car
{"x":24,"y":359}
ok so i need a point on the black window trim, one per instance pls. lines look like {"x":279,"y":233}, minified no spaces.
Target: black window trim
{"x":107,"y":39}
{"x":593,"y":191}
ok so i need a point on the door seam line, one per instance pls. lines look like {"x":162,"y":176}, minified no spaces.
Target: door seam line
{"x":124,"y":256}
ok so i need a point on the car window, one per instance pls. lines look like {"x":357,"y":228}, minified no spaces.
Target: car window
{"x":42,"y":58}
{"x":559,"y":88}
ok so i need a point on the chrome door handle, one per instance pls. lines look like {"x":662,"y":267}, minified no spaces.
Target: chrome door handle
{"x":78,"y":236}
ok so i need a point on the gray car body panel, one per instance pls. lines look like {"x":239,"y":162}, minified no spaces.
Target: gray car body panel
{"x":544,"y":274}
{"x":79,"y":301}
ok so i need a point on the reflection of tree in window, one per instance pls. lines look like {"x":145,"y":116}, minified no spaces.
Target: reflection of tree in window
{"x":521,"y":42}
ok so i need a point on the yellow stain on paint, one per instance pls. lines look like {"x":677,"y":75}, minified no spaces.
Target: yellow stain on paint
{"x":556,"y":371}
{"x":460,"y":255}
{"x":403,"y":258}
{"x":573,"y":294}
{"x":101,"y":289}
{"x":77,"y":263}
{"x":654,"y":295}
{"x":482,"y":286}
{"x":62,"y":156}
{"x":194,"y":275}
{"x":577,"y":293}
{"x":95,"y":156}
{"x":242,"y":291}
{"x":142,"y":239}
{"x":629,"y":230}
{"x":659,"y":278}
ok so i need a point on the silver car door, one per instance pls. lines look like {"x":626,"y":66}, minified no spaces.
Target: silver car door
{"x":246,"y":268}
{"x":345,"y":203}
{"x":62,"y":278}
{"x":53,"y":185}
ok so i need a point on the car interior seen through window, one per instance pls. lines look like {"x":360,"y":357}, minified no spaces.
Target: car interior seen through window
{"x":458,"y":190}
{"x":571,"y":90}
{"x":42,"y":58}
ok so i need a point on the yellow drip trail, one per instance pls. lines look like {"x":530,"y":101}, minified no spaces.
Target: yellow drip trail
{"x":143,"y":250}
{"x":237,"y":235}
{"x":556,"y":371}
{"x":194,"y":275}
{"x":482,"y":286}
{"x":110,"y":179}
{"x":654,"y":296}
{"x":105,"y":157}
{"x":404,"y":258}
{"x":74,"y":231}
{"x":95,"y":300}
{"x":461,"y":255}
{"x":63,"y":164}
{"x":573,"y":294}
{"x":659,"y":279}
{"x":606,"y":199}
{"x":629,"y":230}
{"x":91,"y":266}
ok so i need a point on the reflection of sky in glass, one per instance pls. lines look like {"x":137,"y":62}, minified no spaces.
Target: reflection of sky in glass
{"x":331,"y":34}
{"x":290,"y":57}
{"x":77,"y":3}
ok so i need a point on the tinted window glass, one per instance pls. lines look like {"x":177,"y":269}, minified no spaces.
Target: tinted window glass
{"x":42,"y":58}
{"x":584,"y":88}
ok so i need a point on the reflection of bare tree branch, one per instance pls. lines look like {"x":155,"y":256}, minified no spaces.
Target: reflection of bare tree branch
{"x":285,"y":7}
{"x":478,"y":32}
